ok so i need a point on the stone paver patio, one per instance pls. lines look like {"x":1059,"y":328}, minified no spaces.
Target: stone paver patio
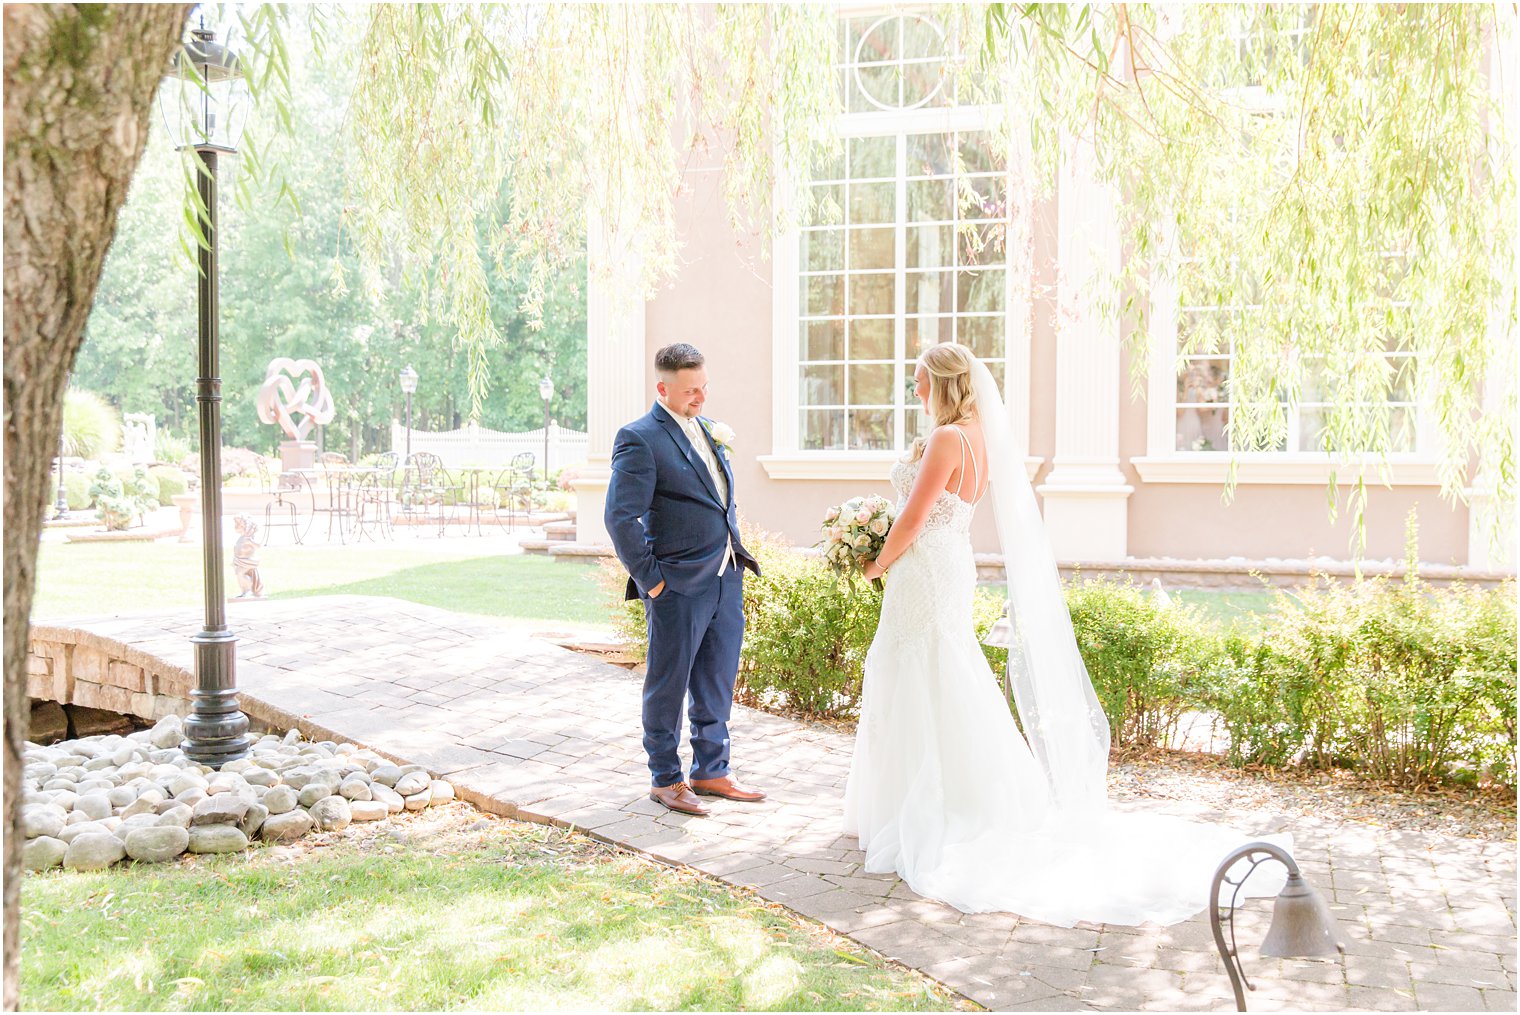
{"x":525,"y":728}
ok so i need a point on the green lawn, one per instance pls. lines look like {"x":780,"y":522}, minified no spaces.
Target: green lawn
{"x":1221,"y":607}
{"x":91,"y":578}
{"x":514,"y":917}
{"x":1226,"y":607}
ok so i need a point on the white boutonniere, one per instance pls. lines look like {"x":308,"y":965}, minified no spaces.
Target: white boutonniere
{"x":722,"y":435}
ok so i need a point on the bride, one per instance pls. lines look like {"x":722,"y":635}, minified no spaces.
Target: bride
{"x":944,"y":789}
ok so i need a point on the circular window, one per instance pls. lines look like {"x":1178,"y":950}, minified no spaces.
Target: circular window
{"x":899,"y":62}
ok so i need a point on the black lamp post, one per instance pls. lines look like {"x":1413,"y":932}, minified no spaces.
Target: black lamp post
{"x":61,"y":502}
{"x":546,"y":392}
{"x":1301,"y":928}
{"x":203,"y":105}
{"x":409,"y":386}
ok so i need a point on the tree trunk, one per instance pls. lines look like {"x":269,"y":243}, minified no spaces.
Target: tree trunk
{"x":79,"y":86}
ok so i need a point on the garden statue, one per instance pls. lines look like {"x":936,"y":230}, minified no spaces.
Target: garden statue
{"x":245,"y":553}
{"x":281,"y":400}
{"x":139,"y":434}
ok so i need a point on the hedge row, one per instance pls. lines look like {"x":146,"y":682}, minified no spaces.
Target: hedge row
{"x":1406,"y":683}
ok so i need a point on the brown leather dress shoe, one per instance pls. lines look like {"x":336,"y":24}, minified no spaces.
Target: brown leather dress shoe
{"x":727,"y":789}
{"x":678,"y":797}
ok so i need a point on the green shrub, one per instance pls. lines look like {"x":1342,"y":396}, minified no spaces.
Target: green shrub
{"x":76,"y":489}
{"x":171,"y":481}
{"x":139,"y":483}
{"x":91,"y":425}
{"x":1145,"y":660}
{"x":168,"y":447}
{"x":120,"y":501}
{"x":807,"y":630}
{"x":1407,"y":684}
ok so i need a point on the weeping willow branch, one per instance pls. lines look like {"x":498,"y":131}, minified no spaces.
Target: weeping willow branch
{"x":1323,"y":182}
{"x":1326,"y":184}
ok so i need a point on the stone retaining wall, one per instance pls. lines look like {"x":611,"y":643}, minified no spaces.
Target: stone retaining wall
{"x":75,"y":667}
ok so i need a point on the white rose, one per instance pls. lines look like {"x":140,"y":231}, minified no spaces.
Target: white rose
{"x":722,"y":433}
{"x":879,"y":526}
{"x":862,"y":541}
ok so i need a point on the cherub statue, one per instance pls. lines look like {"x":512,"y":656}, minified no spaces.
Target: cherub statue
{"x":245,"y":563}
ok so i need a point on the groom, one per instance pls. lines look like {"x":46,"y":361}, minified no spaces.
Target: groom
{"x":671,"y":515}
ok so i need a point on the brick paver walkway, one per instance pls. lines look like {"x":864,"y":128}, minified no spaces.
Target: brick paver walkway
{"x":525,"y":728}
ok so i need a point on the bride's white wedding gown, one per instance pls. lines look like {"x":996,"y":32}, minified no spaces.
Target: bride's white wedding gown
{"x":944,"y":790}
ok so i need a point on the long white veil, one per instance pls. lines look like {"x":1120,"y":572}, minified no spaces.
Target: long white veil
{"x":1062,"y":719}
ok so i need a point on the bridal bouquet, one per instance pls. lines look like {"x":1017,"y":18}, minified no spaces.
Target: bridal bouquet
{"x":854,"y":532}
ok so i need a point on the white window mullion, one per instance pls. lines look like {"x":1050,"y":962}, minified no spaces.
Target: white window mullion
{"x":900,"y":297}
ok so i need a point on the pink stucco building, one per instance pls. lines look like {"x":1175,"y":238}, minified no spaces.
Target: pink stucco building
{"x":810,"y":347}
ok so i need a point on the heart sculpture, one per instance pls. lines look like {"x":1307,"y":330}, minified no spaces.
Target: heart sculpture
{"x":280,"y":399}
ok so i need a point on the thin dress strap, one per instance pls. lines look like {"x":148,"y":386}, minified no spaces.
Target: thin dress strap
{"x":976,"y":478}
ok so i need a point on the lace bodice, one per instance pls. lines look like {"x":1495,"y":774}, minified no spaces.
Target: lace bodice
{"x":949,"y":510}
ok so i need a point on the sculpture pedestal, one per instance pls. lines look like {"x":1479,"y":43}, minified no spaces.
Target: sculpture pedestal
{"x":297,"y":455}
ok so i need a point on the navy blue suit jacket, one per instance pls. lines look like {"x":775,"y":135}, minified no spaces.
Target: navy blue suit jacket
{"x":663,"y":513}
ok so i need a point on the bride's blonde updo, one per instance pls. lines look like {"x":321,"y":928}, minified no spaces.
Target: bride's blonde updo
{"x":951,"y":398}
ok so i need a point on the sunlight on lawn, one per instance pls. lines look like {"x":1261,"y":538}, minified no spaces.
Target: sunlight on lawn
{"x":501,"y":923}
{"x":79,"y":580}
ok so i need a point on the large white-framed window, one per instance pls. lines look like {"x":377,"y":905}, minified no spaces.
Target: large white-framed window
{"x":1194,"y":355}
{"x":915,"y":236}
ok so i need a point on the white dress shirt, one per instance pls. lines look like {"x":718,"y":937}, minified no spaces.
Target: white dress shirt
{"x":703,"y":447}
{"x":700,"y":444}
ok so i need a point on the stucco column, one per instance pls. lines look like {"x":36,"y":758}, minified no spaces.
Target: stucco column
{"x":1085,"y":494}
{"x":615,"y":392}
{"x":1492,"y":527}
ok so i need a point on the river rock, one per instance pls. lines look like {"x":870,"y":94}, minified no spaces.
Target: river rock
{"x":331,"y":814}
{"x":221,"y":809}
{"x":253,"y":820}
{"x":216,"y":839}
{"x":280,"y":799}
{"x":42,"y":819}
{"x":285,"y":827}
{"x":93,"y":805}
{"x":94,"y":852}
{"x":411,"y":783}
{"x":43,"y":852}
{"x":184,"y":782}
{"x":418,"y":801}
{"x":132,"y":824}
{"x":392,"y":800}
{"x":354,"y":789}
{"x":72,"y":832}
{"x":167,"y":732}
{"x":385,"y":775}
{"x":312,"y":792}
{"x":260,"y":777}
{"x":191,"y":797}
{"x":158,"y":844}
{"x":368,"y":810}
{"x":440,"y":792}
{"x":178,"y":815}
{"x":141,"y":805}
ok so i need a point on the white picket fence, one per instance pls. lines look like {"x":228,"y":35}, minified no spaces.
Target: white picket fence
{"x":474,"y":445}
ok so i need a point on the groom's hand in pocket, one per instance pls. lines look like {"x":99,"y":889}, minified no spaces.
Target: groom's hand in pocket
{"x":654,"y":593}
